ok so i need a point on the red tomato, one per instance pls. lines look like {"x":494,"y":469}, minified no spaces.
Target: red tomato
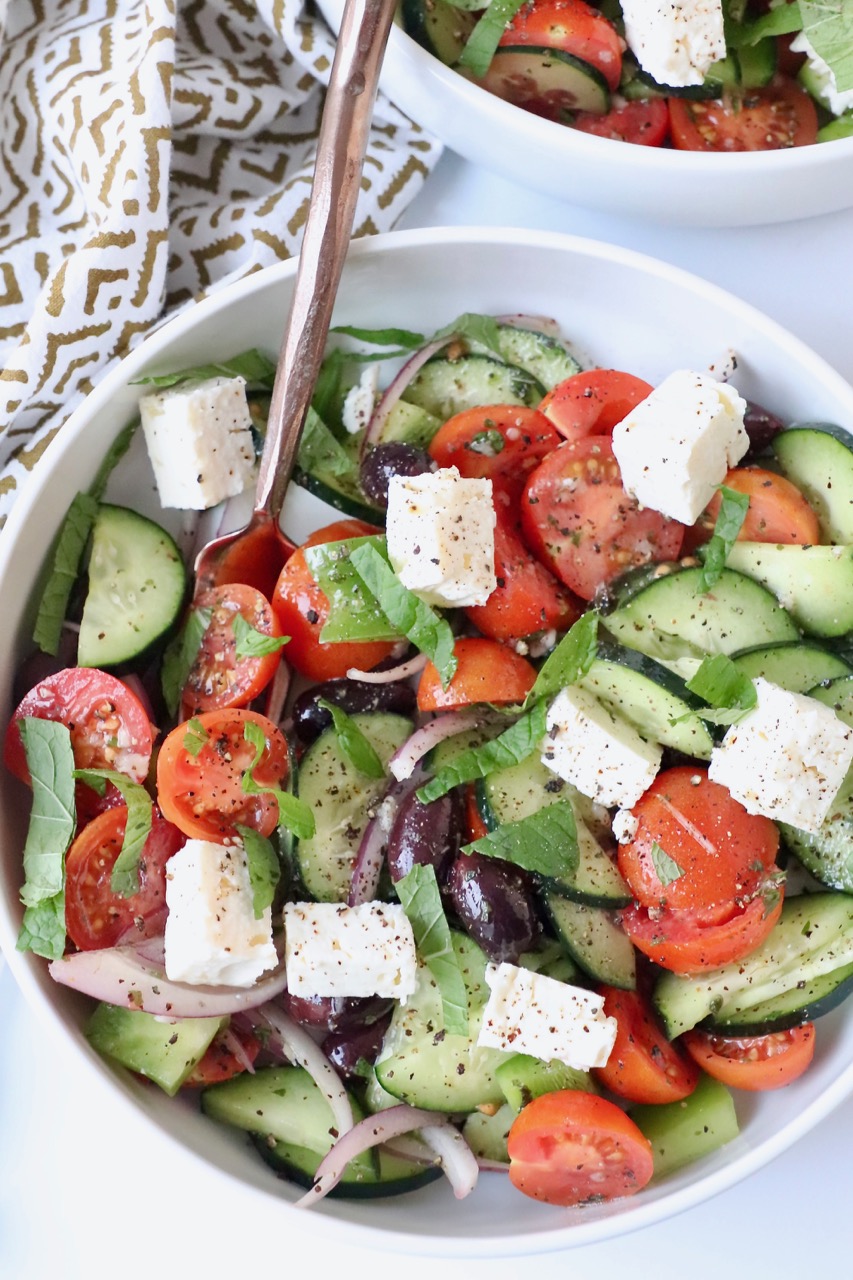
{"x":779,"y":116}
{"x":527,"y":599}
{"x":695,"y":846}
{"x":591,"y":403}
{"x":777,"y":511}
{"x":579,"y":521}
{"x":487,"y":672}
{"x":218,"y":678}
{"x":643,"y":1066}
{"x":501,"y":442}
{"x":570,"y":1148}
{"x":96,"y":917}
{"x":474,"y":823}
{"x":574,"y":27}
{"x":109,"y":725}
{"x":753,"y":1062}
{"x":222,"y":1061}
{"x":646,"y":123}
{"x":302,"y":610}
{"x":203,"y":793}
{"x":691,"y":941}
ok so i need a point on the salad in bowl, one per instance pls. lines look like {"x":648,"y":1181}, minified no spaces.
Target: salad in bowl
{"x":488,"y":837}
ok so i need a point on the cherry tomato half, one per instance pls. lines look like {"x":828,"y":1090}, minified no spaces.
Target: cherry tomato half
{"x":486,"y":672}
{"x":219,"y":678}
{"x":691,"y":941}
{"x":777,"y":511}
{"x":753,"y":1062}
{"x":645,"y":123}
{"x":570,"y":25}
{"x":779,"y":116}
{"x":591,"y":403}
{"x":501,"y":442}
{"x":643,"y":1065}
{"x":225,"y":1058}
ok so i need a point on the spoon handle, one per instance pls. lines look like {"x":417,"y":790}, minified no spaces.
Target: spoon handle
{"x":341,"y":146}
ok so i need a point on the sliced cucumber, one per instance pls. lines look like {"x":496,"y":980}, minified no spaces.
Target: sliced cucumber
{"x":444,"y":387}
{"x":523,"y":1078}
{"x":594,"y":941}
{"x":487,"y":1135}
{"x":388,"y":1175}
{"x":547,"y":81}
{"x":163,"y":1051}
{"x":409,"y":424}
{"x":341,"y":797}
{"x":341,"y":493}
{"x":802,"y":1003}
{"x":682,"y":1132}
{"x":841,"y":127}
{"x":137,"y":587}
{"x":795,"y":667}
{"x":814,"y":584}
{"x":440,"y":28}
{"x":818,"y":459}
{"x":540,"y":355}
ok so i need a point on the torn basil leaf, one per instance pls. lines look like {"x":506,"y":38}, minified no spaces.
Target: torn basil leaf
{"x":545,"y":842}
{"x":419,"y":893}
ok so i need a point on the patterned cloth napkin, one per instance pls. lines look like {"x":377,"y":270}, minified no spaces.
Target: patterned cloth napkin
{"x":150,"y":152}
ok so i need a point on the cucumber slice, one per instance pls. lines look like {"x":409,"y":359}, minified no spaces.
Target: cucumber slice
{"x":818,"y":459}
{"x":795,"y":667}
{"x":548,"y":82}
{"x":814,"y":584}
{"x":487,"y":1135}
{"x":440,"y":28}
{"x":338,"y":493}
{"x":409,"y":424}
{"x":445,"y":387}
{"x":594,"y":940}
{"x":682,"y":1132}
{"x":540,"y":355}
{"x":137,"y":587}
{"x":163,"y":1051}
{"x":523,"y":1078}
{"x":389,"y":1175}
{"x":802,"y":1003}
{"x":842,"y":127}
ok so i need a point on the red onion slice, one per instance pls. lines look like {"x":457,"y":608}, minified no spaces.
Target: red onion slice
{"x":458,"y":1161}
{"x":492,"y":1166}
{"x":277,"y":693}
{"x":396,"y":388}
{"x":405,"y":758}
{"x":305,"y":1052}
{"x":235,"y":1045}
{"x":392,"y":674}
{"x":367,"y":867}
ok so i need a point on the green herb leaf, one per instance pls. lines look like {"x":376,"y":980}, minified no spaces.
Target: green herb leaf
{"x":666,"y":867}
{"x":489,"y":442}
{"x":779,"y":21}
{"x":427,"y":630}
{"x":571,"y":659}
{"x":124,"y":879}
{"x":196,"y":737}
{"x":354,"y":613}
{"x":828,"y":25}
{"x":545,"y":842}
{"x":254,"y":366}
{"x":179,"y":656}
{"x":321,"y":453}
{"x":418,"y":892}
{"x":50,"y":760}
{"x":353,"y":742}
{"x":114,"y":455}
{"x":251,"y":643}
{"x":475,"y":328}
{"x":293,"y":814}
{"x":721,"y":683}
{"x":404,"y":338}
{"x":485,"y":38}
{"x":43,"y":928}
{"x":264,"y":868}
{"x":67,"y":556}
{"x":733,"y":509}
{"x":512,"y":746}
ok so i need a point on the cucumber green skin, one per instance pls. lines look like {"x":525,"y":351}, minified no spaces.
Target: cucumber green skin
{"x":593,"y":940}
{"x":487,"y":1135}
{"x":523,"y":1078}
{"x":328,"y":490}
{"x":440,"y":28}
{"x":814,"y":936}
{"x":818,"y":459}
{"x":795,"y":667}
{"x":408,"y":424}
{"x":815,"y":583}
{"x":446,"y":387}
{"x":389,"y":1176}
{"x":840,"y":128}
{"x":791,"y":1009}
{"x":683,"y":1132}
{"x":543,"y":357}
{"x":165,"y":1052}
{"x":560,"y":84}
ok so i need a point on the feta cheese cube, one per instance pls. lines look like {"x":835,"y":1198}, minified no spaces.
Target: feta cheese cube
{"x":675,"y":41}
{"x":596,"y":751}
{"x":625,"y":826}
{"x":333,"y":950}
{"x":199,"y":438}
{"x":531,"y":1013}
{"x":441,"y":536}
{"x":676,"y":446}
{"x":786,"y":759}
{"x":212,"y":935}
{"x":826,"y":89}
{"x":360,"y":401}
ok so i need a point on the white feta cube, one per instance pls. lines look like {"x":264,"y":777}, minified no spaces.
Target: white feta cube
{"x":675,"y":41}
{"x":531,"y":1013}
{"x":441,"y":536}
{"x":199,"y":438}
{"x":596,"y":751}
{"x":212,"y":935}
{"x":360,"y":400}
{"x":676,"y":446}
{"x":826,"y":89}
{"x":333,"y":950}
{"x":786,"y":759}
{"x":625,"y":826}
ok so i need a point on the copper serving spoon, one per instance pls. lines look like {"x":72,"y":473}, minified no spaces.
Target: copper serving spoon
{"x":341,"y":146}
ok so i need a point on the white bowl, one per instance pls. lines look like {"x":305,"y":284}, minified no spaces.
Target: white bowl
{"x":681,"y":188}
{"x":604,"y":299}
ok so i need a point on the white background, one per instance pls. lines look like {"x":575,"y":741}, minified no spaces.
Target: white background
{"x":87,"y":1193}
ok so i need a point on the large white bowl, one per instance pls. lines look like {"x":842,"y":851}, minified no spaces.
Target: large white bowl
{"x":606,"y":300}
{"x":682,"y":188}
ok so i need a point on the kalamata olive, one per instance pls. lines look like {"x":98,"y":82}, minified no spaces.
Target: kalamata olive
{"x":429,"y":834}
{"x":353,"y":696}
{"x":386,"y":460}
{"x":334,"y":1013}
{"x":346,"y":1049}
{"x":495,"y":905}
{"x":761,"y":426}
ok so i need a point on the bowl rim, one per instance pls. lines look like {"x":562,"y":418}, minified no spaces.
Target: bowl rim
{"x":24,"y":968}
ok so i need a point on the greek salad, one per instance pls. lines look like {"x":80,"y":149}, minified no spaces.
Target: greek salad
{"x":504,"y":824}
{"x":697,"y":75}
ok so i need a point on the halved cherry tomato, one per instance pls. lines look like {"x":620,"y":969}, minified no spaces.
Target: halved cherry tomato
{"x":579,"y":521}
{"x":528,"y":599}
{"x":695,"y":846}
{"x":692,"y":941}
{"x":199,"y":788}
{"x":571,"y":1147}
{"x":645,"y":122}
{"x":753,"y":1062}
{"x":96,"y":917}
{"x":574,"y":27}
{"x":499,"y":442}
{"x":222,"y":1061}
{"x":643,"y":1065}
{"x":779,"y":116}
{"x":302,"y":610}
{"x":474,"y":823}
{"x":592,"y":402}
{"x":218,"y":678}
{"x":777,"y":512}
{"x":486,"y":672}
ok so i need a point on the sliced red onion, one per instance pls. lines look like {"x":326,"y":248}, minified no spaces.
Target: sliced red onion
{"x":125,"y":977}
{"x":492,"y":1166}
{"x":458,"y":1161}
{"x":137,"y":686}
{"x":396,"y":388}
{"x":367,"y":867}
{"x":277,"y":693}
{"x":405,"y":758}
{"x":370,"y":1132}
{"x":392,"y":674}
{"x":235,"y":1045}
{"x":411,"y":1147}
{"x":305,"y":1052}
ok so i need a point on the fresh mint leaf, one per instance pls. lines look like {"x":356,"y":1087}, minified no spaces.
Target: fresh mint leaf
{"x":251,"y":643}
{"x":196,"y":737}
{"x":474,"y":328}
{"x":321,"y":452}
{"x":43,"y":928}
{"x":722,"y":684}
{"x":293,"y":814}
{"x":779,"y":21}
{"x":124,"y":879}
{"x":179,"y":656}
{"x":483,"y":41}
{"x":67,"y":558}
{"x":489,"y":442}
{"x":545,"y":842}
{"x":571,"y":659}
{"x":732,"y":513}
{"x":667,"y":868}
{"x":404,"y":338}
{"x":354,"y":613}
{"x":254,"y":366}
{"x":427,"y":630}
{"x":114,"y":455}
{"x":352,"y":742}
{"x":512,"y":746}
{"x":419,"y":893}
{"x":264,"y":868}
{"x":828,"y":26}
{"x":50,"y":760}
{"x":329,"y":389}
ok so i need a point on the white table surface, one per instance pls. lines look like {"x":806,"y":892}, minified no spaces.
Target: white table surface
{"x":85,"y":1193}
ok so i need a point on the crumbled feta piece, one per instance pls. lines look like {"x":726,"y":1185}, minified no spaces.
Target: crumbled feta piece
{"x":441,"y":536}
{"x":827,"y":87}
{"x":625,"y":825}
{"x":360,"y":401}
{"x":531,"y":1013}
{"x":212,"y":935}
{"x":675,"y":41}
{"x":596,"y":751}
{"x":786,"y":758}
{"x":199,"y":438}
{"x":333,"y":950}
{"x":676,"y":446}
